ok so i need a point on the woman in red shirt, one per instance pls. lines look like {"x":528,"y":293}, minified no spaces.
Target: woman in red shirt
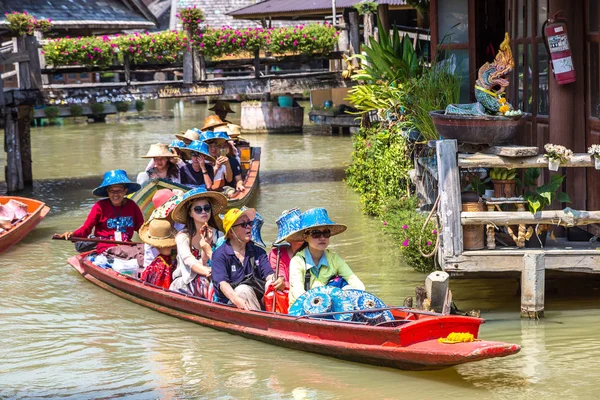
{"x":115,"y":217}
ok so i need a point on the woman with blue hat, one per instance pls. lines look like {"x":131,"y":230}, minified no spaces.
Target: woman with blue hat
{"x":115,"y":217}
{"x":220,"y":164}
{"x":198,"y":172}
{"x":198,"y":210}
{"x":315,"y":265}
{"x":229,"y":150}
{"x":283,"y":250}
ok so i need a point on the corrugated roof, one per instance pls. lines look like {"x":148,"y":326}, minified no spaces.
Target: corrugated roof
{"x":290,"y":6}
{"x":92,"y":12}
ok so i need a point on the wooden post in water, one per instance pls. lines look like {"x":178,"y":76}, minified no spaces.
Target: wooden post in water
{"x":257,"y":64}
{"x":450,"y":204}
{"x":532,"y":285}
{"x":14,"y":166}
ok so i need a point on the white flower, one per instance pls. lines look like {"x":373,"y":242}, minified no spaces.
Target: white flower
{"x":557,"y":152}
{"x":594,"y":150}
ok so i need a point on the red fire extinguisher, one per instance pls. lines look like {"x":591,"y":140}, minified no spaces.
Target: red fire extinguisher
{"x":554,"y":31}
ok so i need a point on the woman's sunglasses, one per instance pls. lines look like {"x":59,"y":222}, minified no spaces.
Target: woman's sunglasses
{"x":245,"y":225}
{"x":317,"y":234}
{"x":206,"y":208}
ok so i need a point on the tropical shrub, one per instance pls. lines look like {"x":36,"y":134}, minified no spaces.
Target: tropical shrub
{"x":52,"y":112}
{"x":97,"y":109}
{"x":191,"y":18}
{"x":140,"y":105}
{"x":76,"y":110}
{"x":122,"y":106}
{"x":22,"y":23}
{"x":161,"y":47}
{"x":305,"y":39}
{"x":88,"y":51}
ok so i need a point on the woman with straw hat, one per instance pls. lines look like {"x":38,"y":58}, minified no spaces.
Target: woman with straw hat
{"x":212,"y":122}
{"x":164,"y":165}
{"x":160,"y":235}
{"x":316,"y":266}
{"x":113,"y":218}
{"x":198,"y":210}
{"x":241,"y":268}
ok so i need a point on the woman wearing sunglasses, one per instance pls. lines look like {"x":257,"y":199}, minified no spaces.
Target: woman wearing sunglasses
{"x":199,"y":171}
{"x":314,"y":265}
{"x":241,"y":268}
{"x":195,"y":243}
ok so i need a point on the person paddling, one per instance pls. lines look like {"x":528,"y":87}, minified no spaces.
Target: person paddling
{"x":114,"y":218}
{"x":315,"y":265}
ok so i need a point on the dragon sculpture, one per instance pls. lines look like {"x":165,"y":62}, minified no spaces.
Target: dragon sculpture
{"x":490,"y":86}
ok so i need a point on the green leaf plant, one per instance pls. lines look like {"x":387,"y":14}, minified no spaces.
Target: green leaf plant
{"x":540,"y":197}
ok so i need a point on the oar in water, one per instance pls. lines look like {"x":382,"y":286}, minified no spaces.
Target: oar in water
{"x":95,"y":240}
{"x":278,"y":246}
{"x":368,"y":310}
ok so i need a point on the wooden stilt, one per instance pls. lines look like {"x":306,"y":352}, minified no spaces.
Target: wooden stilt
{"x":450,"y":201}
{"x":24,"y":125}
{"x":532,"y":285}
{"x":14,"y":166}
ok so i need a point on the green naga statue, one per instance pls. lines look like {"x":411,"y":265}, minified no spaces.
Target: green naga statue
{"x":490,"y":86}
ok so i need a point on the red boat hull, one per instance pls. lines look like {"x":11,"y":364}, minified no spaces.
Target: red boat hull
{"x":37,"y":211}
{"x":412,"y":346}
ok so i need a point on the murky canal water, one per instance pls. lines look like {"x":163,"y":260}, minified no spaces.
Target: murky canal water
{"x":61,"y":336}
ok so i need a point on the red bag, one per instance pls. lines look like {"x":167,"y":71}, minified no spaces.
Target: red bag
{"x":159,"y":272}
{"x":282,"y":302}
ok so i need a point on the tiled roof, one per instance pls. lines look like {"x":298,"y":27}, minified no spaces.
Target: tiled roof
{"x":96,"y":13}
{"x":289,"y":6}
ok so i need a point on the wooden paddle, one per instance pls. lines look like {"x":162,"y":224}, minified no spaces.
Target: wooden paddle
{"x":95,"y":240}
{"x":368,"y":310}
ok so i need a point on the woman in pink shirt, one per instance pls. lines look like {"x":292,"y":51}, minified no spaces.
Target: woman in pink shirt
{"x":287,"y":224}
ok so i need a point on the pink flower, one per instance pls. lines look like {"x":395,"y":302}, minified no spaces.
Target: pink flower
{"x":295,"y":43}
{"x":405,"y":243}
{"x":405,"y":227}
{"x":429,"y":243}
{"x":384,"y":223}
{"x":434,"y":232}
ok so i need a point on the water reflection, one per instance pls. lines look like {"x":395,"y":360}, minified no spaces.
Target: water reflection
{"x":64,"y":337}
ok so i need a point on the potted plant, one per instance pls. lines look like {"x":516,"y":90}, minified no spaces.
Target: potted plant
{"x":556,"y":155}
{"x":539,"y":198}
{"x":594,"y":152}
{"x":504,"y":180}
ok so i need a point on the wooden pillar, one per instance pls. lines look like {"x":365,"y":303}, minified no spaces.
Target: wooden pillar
{"x":257,"y":64}
{"x":35,"y":70}
{"x":173,"y":16}
{"x":567,"y":102}
{"x":383,"y":11}
{"x":354,"y":34}
{"x":188,"y":68}
{"x":450,"y":204}
{"x":126,"y":68}
{"x":14,"y":167}
{"x":368,"y":27}
{"x":24,"y":77}
{"x":25,"y":114}
{"x":42,"y":59}
{"x":532,"y":285}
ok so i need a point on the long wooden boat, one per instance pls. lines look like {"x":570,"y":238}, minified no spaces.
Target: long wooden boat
{"x":36,"y":210}
{"x":143,"y":197}
{"x":412,"y":345}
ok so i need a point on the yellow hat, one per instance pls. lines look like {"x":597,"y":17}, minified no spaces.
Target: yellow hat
{"x":234,"y":214}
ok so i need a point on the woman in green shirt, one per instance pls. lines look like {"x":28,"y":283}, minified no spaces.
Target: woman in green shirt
{"x":314,"y":265}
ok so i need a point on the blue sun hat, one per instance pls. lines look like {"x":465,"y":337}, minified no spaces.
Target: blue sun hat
{"x":210,"y":135}
{"x":313,"y":219}
{"x":198,"y":147}
{"x":178,"y":144}
{"x":288,"y":223}
{"x":362,"y":300}
{"x":256,"y":237}
{"x":322,"y":299}
{"x":115,"y":177}
{"x":222,"y":135}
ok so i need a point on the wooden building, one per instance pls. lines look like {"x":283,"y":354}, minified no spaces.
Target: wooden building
{"x":561,"y":114}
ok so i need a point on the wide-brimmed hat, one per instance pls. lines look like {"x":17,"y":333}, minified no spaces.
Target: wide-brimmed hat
{"x":164,"y":211}
{"x":221,"y":105}
{"x":256,"y":230}
{"x":210,"y":135}
{"x":188,"y":136}
{"x":158,"y":233}
{"x":234,"y":214}
{"x":115,"y":177}
{"x":288,"y":223}
{"x":316,"y":218}
{"x":211,"y":121}
{"x":159,"y":150}
{"x":178,"y":144}
{"x":161,"y":196}
{"x":222,"y":135}
{"x":233,"y":130}
{"x":217,"y":200}
{"x":198,"y":147}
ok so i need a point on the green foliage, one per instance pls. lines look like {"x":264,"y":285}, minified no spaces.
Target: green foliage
{"x":97,"y":109}
{"x":52,"y":112}
{"x":140,"y":105}
{"x":366,"y":7}
{"x":191,"y":18}
{"x":160,"y":47}
{"x":122,"y":106}
{"x":22,"y":23}
{"x":544,"y":195}
{"x":422,"y":6}
{"x":379,"y":169}
{"x":406,"y":225}
{"x":76,"y":110}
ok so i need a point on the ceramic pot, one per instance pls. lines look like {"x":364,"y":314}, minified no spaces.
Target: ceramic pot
{"x":553,"y":164}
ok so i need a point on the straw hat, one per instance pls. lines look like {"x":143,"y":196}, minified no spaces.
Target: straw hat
{"x":159,"y":150}
{"x":233,"y":130}
{"x":188,"y":136}
{"x":211,"y":121}
{"x":234,"y":214}
{"x":217,"y":200}
{"x":158,"y":233}
{"x":313,"y":219}
{"x":115,"y":177}
{"x":223,"y":106}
